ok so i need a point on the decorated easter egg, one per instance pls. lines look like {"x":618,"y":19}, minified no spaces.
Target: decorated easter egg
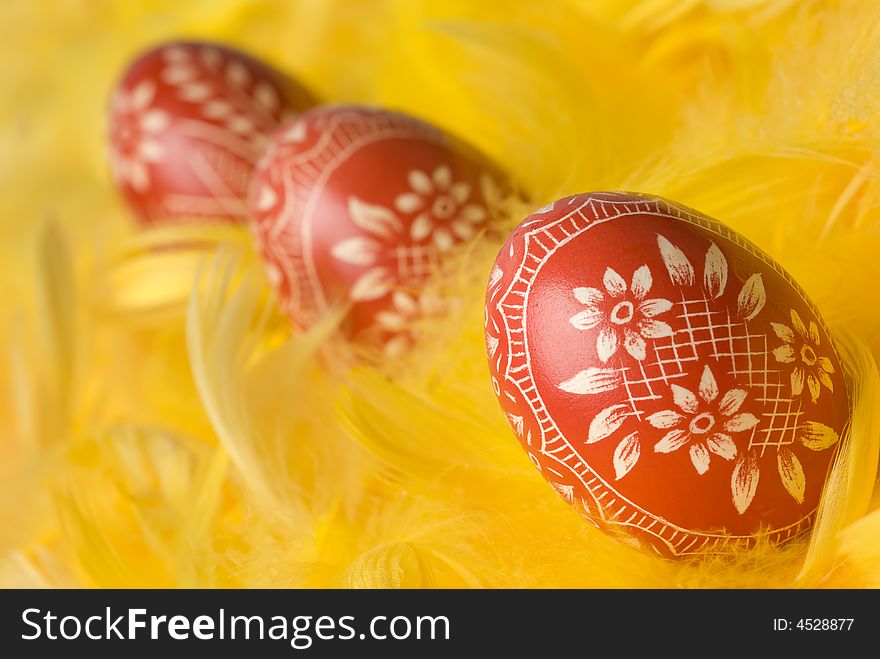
{"x":357,"y":208}
{"x":665,"y":375}
{"x":188,"y":123}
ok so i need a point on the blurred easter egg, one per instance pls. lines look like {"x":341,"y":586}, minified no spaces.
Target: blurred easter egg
{"x":188,"y":123}
{"x":358,"y":208}
{"x":665,"y":375}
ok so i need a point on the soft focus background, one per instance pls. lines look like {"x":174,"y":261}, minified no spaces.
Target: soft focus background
{"x":161,"y":426}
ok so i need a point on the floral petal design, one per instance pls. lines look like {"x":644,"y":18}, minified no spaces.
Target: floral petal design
{"x":606,"y":422}
{"x":405,"y":303}
{"x":635,"y":345}
{"x":606,"y":344}
{"x":267,"y":198}
{"x":813,"y":386}
{"x":397,"y":346}
{"x":151,"y":151}
{"x":357,"y":251}
{"x":460,"y":192}
{"x":589,"y":296}
{"x":178,"y":74}
{"x":420,"y":182}
{"x":783,"y":332}
{"x":798,"y":324}
{"x":641,"y":282}
{"x":155,"y":121}
{"x":266,"y":96}
{"x":421,"y":227}
{"x":372,"y":285}
{"x":137,"y":174}
{"x":391,"y":321}
{"x":614,"y":283}
{"x":797,"y":381}
{"x":626,"y":455}
{"x":463,"y":230}
{"x":752,"y":298}
{"x":443,"y":177}
{"x":195,"y":92}
{"x":722,"y":445}
{"x":377,"y":220}
{"x":586,"y":319}
{"x":473,"y":213}
{"x":685,"y":399}
{"x":408,"y":202}
{"x":672,"y":441}
{"x":744,"y":482}
{"x":792,"y":473}
{"x":740,"y":422}
{"x":708,"y":386}
{"x":825,"y":365}
{"x":715,"y":272}
{"x":825,"y":379}
{"x":817,"y":436}
{"x":699,"y":458}
{"x":654,"y":329}
{"x":592,"y":381}
{"x":443,"y":240}
{"x":784,"y":354}
{"x":665,"y":419}
{"x":654,"y":307}
{"x":142,"y":95}
{"x":238,"y":74}
{"x":216,"y":109}
{"x":731,"y":401}
{"x":681,"y":272}
{"x":814,"y":332}
{"x":495,"y":277}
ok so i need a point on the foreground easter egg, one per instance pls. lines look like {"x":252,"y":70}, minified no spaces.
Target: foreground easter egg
{"x":188,"y":123}
{"x":665,"y":375}
{"x":358,"y":208}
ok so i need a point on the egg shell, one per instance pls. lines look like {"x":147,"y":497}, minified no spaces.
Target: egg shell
{"x":665,"y":375}
{"x":188,"y":122}
{"x":359,"y":207}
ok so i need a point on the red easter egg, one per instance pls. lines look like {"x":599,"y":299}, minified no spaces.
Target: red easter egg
{"x":359,"y":207}
{"x":188,"y":123}
{"x":664,"y":374}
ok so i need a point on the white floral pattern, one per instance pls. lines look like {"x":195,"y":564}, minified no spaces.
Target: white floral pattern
{"x":735,"y":413}
{"x":382,"y":228}
{"x":628,"y":450}
{"x":405,"y":310}
{"x":800,"y":346}
{"x":442,"y":207}
{"x":625,"y":316}
{"x":136,"y":135}
{"x":224,"y":89}
{"x":703,"y":426}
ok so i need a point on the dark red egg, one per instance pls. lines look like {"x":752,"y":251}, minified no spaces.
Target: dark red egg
{"x":188,"y":123}
{"x":359,"y":207}
{"x":663,"y":373}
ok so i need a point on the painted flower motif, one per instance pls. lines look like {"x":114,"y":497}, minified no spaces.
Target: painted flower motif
{"x":382,"y":229}
{"x":625,"y":316}
{"x":705,"y":426}
{"x":405,"y":310}
{"x":442,"y":206}
{"x":800,"y":347}
{"x":136,"y":132}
